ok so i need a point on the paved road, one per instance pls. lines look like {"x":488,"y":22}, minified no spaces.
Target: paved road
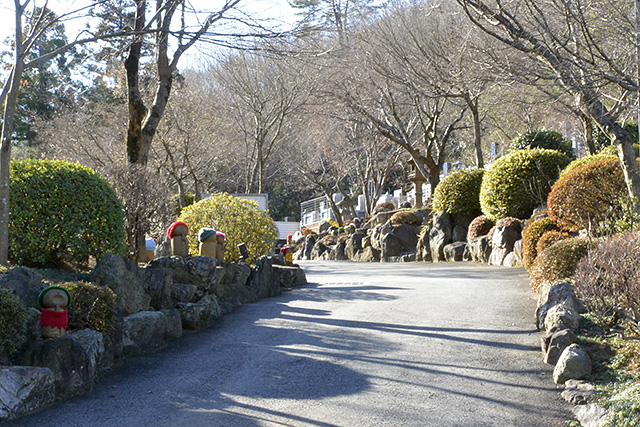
{"x":364,"y":345}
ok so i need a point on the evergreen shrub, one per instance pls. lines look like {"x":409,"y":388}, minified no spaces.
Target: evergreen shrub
{"x":543,"y":138}
{"x":559,"y":261}
{"x":531,"y":233}
{"x":240,"y":219}
{"x":383,"y":207}
{"x":12,"y":323}
{"x":589,"y":194}
{"x":549,"y":238}
{"x":586,"y":160}
{"x":518,"y":182}
{"x":480,"y":226}
{"x":62,"y":213}
{"x":91,"y":307}
{"x":459,"y":193}
{"x":405,"y":217}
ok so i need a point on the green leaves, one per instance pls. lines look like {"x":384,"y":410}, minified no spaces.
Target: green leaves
{"x":459,"y":193}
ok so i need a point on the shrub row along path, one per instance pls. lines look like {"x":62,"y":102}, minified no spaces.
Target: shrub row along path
{"x":362,"y":345}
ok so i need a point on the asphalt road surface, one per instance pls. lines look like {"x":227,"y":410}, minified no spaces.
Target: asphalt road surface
{"x":413,"y":344}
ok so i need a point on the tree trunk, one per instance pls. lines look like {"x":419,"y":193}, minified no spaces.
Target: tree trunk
{"x":477,"y":131}
{"x":588,"y":133}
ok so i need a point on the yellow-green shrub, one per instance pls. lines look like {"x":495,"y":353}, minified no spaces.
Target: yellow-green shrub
{"x":531,"y":233}
{"x":549,"y":238}
{"x":518,"y":182}
{"x":12,"y":323}
{"x":587,"y":159}
{"x":61,"y":212}
{"x":542,"y":138}
{"x":240,"y":219}
{"x":91,"y":307}
{"x":459,"y":193}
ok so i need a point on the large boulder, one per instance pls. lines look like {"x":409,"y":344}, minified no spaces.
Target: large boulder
{"x":480,"y":249}
{"x":181,"y":292}
{"x":73,"y":371}
{"x":289,"y":276}
{"x":196,"y":316}
{"x":460,"y":224}
{"x":318,"y":250}
{"x":502,"y":241}
{"x":158,"y":284}
{"x":261,"y":281}
{"x":369,"y":254}
{"x":25,"y":283}
{"x":517,"y":250}
{"x":353,"y":246}
{"x":574,"y":364}
{"x":92,"y":342}
{"x":440,"y":235}
{"x":122,"y":276}
{"x":144,"y":332}
{"x":25,"y":389}
{"x":303,"y":252}
{"x":552,"y":294}
{"x":558,"y":341}
{"x":455,"y":251}
{"x":561,"y":316}
{"x":234,"y":285}
{"x":174,"y":324}
{"x":423,"y":249}
{"x":200,"y":271}
{"x":399,"y":239}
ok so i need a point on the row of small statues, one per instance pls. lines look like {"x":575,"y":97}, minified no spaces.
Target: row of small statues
{"x":212,"y":242}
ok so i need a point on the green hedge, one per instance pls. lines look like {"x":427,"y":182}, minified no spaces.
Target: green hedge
{"x":459,"y":193}
{"x":543,"y":138}
{"x":62,"y":213}
{"x":518,"y":182}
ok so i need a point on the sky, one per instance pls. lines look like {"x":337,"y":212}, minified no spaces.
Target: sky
{"x":277,"y":11}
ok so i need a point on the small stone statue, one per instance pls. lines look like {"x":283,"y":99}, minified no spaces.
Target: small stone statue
{"x":221,"y":239}
{"x":150,"y":248}
{"x":54,"y":319}
{"x":208,"y":242}
{"x":179,"y":243}
{"x":287,"y":251}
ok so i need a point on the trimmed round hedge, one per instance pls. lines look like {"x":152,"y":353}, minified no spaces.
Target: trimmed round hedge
{"x":12,"y":323}
{"x":543,"y":138}
{"x":405,"y":217}
{"x":239,"y":219}
{"x":531,"y":234}
{"x":518,"y":182}
{"x":586,"y":160}
{"x":459,"y":193}
{"x":589,"y":194}
{"x":559,"y":261}
{"x":61,"y":212}
{"x":92,"y":307}
{"x":480,"y":226}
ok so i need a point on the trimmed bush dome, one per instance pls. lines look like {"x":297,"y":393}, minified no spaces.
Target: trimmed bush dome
{"x":559,"y":261}
{"x":543,"y":138}
{"x":12,"y":323}
{"x":518,"y":182}
{"x":239,"y":219}
{"x":62,"y":213}
{"x":587,"y":159}
{"x":588,"y":195}
{"x":480,"y":226}
{"x":531,"y":234}
{"x":459,"y":193}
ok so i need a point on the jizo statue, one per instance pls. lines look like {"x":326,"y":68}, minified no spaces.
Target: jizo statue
{"x":54,"y":318}
{"x":208,"y":242}
{"x":221,"y":240}
{"x":179,"y":243}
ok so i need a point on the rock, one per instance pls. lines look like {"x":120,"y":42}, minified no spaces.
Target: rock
{"x":338,"y":252}
{"x":200,"y":271}
{"x":261,"y":281}
{"x":369,"y":254}
{"x":25,"y":283}
{"x":289,"y":276}
{"x":454,"y":251}
{"x":440,"y":236}
{"x":32,"y":326}
{"x":196,"y":316}
{"x":561,"y":317}
{"x":72,"y":370}
{"x":517,"y":250}
{"x":174,"y":324}
{"x":573,"y":364}
{"x":304,"y":253}
{"x":318,"y":250}
{"x":181,"y":292}
{"x":502,"y":243}
{"x":407,"y":257}
{"x":460,"y":224}
{"x":578,"y":392}
{"x":324,"y":226}
{"x":510,"y":260}
{"x":391,"y":247}
{"x":92,"y":342}
{"x":163,"y":247}
{"x":423,"y":249}
{"x":591,"y":415}
{"x":144,"y":332}
{"x":353,"y":245}
{"x":158,"y":283}
{"x":557,"y":343}
{"x":380,"y":218}
{"x":122,"y":276}
{"x":234,"y":284}
{"x":554,"y":294}
{"x":480,"y":249}
{"x":25,"y":389}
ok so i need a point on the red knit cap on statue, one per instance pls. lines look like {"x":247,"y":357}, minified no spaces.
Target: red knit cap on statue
{"x":173,"y":227}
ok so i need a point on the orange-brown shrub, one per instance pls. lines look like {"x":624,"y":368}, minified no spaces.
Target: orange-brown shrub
{"x":588,"y":195}
{"x":549,"y":238}
{"x":558,"y":261}
{"x":386,"y":206}
{"x":405,"y":217}
{"x":532,"y":232}
{"x":480,"y":226}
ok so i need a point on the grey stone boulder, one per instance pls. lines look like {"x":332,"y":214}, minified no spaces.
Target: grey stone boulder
{"x":369,"y":254}
{"x":197,"y":316}
{"x":502,"y":241}
{"x":574,"y":364}
{"x":399,"y":239}
{"x":353,"y":245}
{"x":92,"y":342}
{"x":511,"y":260}
{"x":25,"y":283}
{"x":480,"y":249}
{"x":460,"y":224}
{"x":578,"y":392}
{"x":557,"y":343}
{"x":454,"y":251}
{"x":122,"y":276}
{"x":25,"y":389}
{"x":158,"y":283}
{"x":304,"y":251}
{"x":73,"y":371}
{"x":380,"y":218}
{"x":440,"y":236}
{"x":318,"y":250}
{"x":200,"y":271}
{"x":561,"y":316}
{"x":423,"y":248}
{"x":181,"y":292}
{"x":144,"y":332}
{"x":234,"y":284}
{"x":590,"y":415}
{"x":261,"y":281}
{"x":174,"y":324}
{"x":289,"y":276}
{"x":552,"y":294}
{"x":517,"y":251}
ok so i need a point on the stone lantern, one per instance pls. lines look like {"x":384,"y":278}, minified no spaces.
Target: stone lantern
{"x":418,"y":179}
